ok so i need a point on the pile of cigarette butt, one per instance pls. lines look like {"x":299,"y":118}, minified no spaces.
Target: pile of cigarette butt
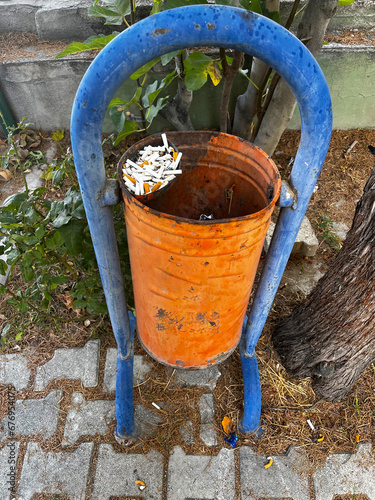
{"x":155,"y":167}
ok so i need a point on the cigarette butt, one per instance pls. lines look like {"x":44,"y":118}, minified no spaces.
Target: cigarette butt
{"x":147,"y":187}
{"x":310,"y":425}
{"x":357,"y":438}
{"x":131,"y":163}
{"x":140,"y":484}
{"x":269,"y":463}
{"x":130,"y":178}
{"x":157,"y":186}
{"x":165,"y":142}
{"x":175,"y":155}
{"x":320,"y":438}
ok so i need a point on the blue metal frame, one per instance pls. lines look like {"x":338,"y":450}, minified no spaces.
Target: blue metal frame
{"x":193,"y":26}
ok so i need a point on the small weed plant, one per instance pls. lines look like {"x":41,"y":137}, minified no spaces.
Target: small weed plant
{"x":48,"y":240}
{"x":325,"y":224}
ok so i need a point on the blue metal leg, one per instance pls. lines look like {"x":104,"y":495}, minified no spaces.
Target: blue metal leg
{"x":125,"y":432}
{"x":252,"y":392}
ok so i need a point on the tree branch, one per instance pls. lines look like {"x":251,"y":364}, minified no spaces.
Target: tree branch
{"x":229,"y":72}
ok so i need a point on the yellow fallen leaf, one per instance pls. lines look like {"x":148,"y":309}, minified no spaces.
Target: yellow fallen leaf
{"x":6,"y":174}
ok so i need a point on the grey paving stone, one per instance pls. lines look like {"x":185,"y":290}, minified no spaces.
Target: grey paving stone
{"x":77,"y":363}
{"x":8,"y":460}
{"x":146,"y":421}
{"x":306,"y":243}
{"x":140,"y":370}
{"x":340,"y":229}
{"x":116,"y":474}
{"x":13,"y":370}
{"x":207,"y":408}
{"x":55,"y":472}
{"x":35,"y":416}
{"x":87,"y":418}
{"x":345,"y":473}
{"x":208,"y":434}
{"x":187,"y":432}
{"x":200,"y":476}
{"x":206,"y":377}
{"x":281,"y":480}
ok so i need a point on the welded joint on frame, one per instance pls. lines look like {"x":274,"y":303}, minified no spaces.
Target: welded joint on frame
{"x":288,"y":197}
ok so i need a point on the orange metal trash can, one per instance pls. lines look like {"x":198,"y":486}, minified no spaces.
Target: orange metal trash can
{"x":192,"y":279}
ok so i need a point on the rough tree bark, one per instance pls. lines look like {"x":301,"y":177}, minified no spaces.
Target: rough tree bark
{"x":311,"y":30}
{"x":331,"y":335}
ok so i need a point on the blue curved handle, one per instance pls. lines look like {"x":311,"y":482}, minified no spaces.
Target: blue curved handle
{"x":193,"y":26}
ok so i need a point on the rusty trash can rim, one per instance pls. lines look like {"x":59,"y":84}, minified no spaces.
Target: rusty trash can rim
{"x":197,"y":222}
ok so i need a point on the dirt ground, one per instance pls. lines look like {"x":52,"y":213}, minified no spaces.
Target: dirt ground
{"x":286,"y":403}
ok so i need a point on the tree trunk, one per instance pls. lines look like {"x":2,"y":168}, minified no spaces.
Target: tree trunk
{"x":177,"y":110}
{"x":331,"y":335}
{"x":311,"y":30}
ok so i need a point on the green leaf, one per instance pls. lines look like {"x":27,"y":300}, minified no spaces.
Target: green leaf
{"x":195,"y":79}
{"x":72,"y":234}
{"x":172,"y":4}
{"x":154,"y":109}
{"x":18,"y":337}
{"x":76,"y":47}
{"x":197,"y":67}
{"x":346,"y":2}
{"x":144,"y":69}
{"x":96,"y":306}
{"x":60,"y":280}
{"x":54,"y":240}
{"x":129,"y":128}
{"x":166,"y":58}
{"x":40,"y":232}
{"x":118,"y":117}
{"x":3,"y":267}
{"x":26,"y":267}
{"x":30,"y":240}
{"x":79,"y":304}
{"x":5,"y":330}
{"x":251,"y":5}
{"x":120,"y":102}
{"x":15,"y":200}
{"x":61,"y":220}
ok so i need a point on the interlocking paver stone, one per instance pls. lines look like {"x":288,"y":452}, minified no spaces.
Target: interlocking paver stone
{"x":207,"y":408}
{"x":77,"y":363}
{"x":8,"y":460}
{"x":35,"y":416}
{"x":345,"y":473}
{"x":281,"y":480}
{"x":208,"y":434}
{"x":140,"y":370}
{"x":55,"y":472}
{"x":207,"y":412}
{"x":200,"y":476}
{"x":187,"y":432}
{"x":206,"y":377}
{"x":13,"y":370}
{"x":146,"y":421}
{"x":87,"y":418}
{"x":116,"y":474}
